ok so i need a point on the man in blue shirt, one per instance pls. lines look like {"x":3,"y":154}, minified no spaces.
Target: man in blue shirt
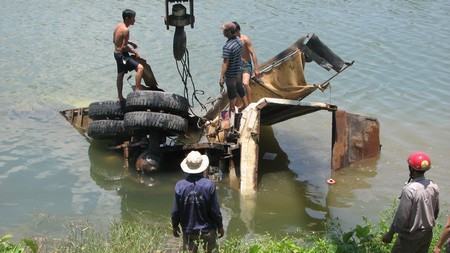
{"x":231,"y":71}
{"x":196,"y":207}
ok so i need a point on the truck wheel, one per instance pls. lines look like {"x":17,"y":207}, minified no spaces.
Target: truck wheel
{"x":145,"y":122}
{"x":106,"y":110}
{"x":147,"y":162}
{"x":157,"y":101}
{"x":106,"y":129}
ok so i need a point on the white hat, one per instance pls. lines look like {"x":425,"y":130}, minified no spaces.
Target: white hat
{"x":195,"y":163}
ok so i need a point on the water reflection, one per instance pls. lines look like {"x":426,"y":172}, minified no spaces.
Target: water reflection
{"x":284,"y":203}
{"x":357,"y":176}
{"x":106,"y":167}
{"x":146,"y":195}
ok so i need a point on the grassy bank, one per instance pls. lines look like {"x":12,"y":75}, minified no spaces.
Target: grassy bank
{"x":139,"y":236}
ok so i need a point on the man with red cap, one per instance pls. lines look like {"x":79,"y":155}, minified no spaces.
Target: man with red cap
{"x":417,"y":211}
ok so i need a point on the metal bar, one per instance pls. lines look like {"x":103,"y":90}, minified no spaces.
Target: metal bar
{"x":192,"y":18}
{"x":332,"y":77}
{"x":167,"y":14}
{"x":278,"y":62}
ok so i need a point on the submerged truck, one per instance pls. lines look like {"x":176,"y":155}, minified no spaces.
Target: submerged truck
{"x":154,"y":125}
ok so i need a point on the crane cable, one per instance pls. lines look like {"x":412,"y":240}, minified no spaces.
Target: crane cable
{"x":185,"y":74}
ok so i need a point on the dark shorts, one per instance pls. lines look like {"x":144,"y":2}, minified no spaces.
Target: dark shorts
{"x":125,"y":62}
{"x":207,"y":240}
{"x":235,"y":87}
{"x":418,"y":245}
{"x":247,"y":67}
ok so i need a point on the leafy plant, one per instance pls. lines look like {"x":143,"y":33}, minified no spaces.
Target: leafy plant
{"x":6,"y":246}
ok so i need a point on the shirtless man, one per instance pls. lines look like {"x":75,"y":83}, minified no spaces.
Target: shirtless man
{"x":122,"y":48}
{"x":249,"y":62}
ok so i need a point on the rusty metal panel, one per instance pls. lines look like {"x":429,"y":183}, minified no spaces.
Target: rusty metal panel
{"x":355,"y":138}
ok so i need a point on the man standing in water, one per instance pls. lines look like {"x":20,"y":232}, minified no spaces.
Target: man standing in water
{"x":417,"y":211}
{"x":249,"y":61}
{"x":231,"y":71}
{"x":196,"y":207}
{"x":122,"y":48}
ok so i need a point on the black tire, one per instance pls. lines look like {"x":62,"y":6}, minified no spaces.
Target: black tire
{"x":106,"y":110}
{"x":106,"y":129}
{"x":145,"y":122}
{"x":157,"y":101}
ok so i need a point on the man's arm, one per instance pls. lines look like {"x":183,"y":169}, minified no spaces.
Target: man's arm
{"x":215,"y":211}
{"x":401,"y":218}
{"x":123,"y":38}
{"x":222,"y":71}
{"x":252,"y":53}
{"x":176,"y":217}
{"x":436,"y":209}
{"x":444,"y":237}
{"x":126,"y":45}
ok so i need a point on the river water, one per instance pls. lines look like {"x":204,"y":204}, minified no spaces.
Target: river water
{"x":57,"y":55}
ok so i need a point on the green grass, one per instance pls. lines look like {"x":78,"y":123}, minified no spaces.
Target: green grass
{"x":7,"y":246}
{"x":139,"y":236}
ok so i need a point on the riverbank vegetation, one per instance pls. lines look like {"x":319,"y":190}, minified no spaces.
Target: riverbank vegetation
{"x":139,"y":236}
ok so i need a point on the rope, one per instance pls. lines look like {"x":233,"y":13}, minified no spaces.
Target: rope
{"x":330,"y":94}
{"x":128,"y":80}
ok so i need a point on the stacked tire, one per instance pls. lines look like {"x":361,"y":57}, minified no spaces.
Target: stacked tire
{"x":149,"y":111}
{"x":107,"y":120}
{"x":143,"y":112}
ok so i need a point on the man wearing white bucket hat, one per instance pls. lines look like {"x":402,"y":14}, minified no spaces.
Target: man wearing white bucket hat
{"x":196,"y":207}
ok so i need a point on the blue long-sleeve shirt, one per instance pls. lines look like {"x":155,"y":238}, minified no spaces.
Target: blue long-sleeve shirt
{"x":196,"y":207}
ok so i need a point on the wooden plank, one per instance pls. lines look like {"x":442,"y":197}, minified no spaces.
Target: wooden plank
{"x":196,"y":146}
{"x":78,"y":118}
{"x":249,"y":141}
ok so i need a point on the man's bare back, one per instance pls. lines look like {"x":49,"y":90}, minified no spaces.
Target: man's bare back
{"x":120,"y":38}
{"x":247,"y":46}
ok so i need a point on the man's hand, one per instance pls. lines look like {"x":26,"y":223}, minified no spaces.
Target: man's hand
{"x":176,"y":231}
{"x":256,"y":73}
{"x":221,"y":232}
{"x":436,"y":250}
{"x":387,"y":237}
{"x":221,"y":82}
